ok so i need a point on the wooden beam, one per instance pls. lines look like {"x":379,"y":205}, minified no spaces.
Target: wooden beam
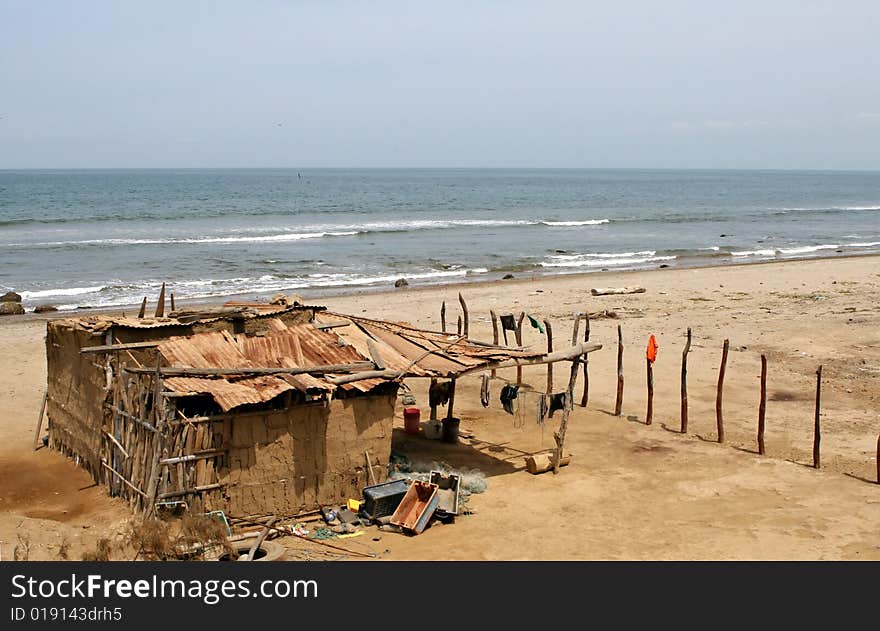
{"x":192,"y":491}
{"x":494,"y":333}
{"x":549,"y":330}
{"x":585,"y":396}
{"x":109,"y":348}
{"x":117,"y":443}
{"x":201,"y":455}
{"x":143,"y":310}
{"x":170,"y":371}
{"x":331,"y":325}
{"x":374,"y":354}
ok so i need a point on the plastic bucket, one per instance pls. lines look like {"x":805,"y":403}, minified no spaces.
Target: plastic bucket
{"x":450,"y":430}
{"x":411,"y":420}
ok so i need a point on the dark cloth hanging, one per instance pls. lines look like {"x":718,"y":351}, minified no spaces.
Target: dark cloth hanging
{"x":508,"y":394}
{"x":484,"y":391}
{"x":542,"y":408}
{"x":535,"y":324}
{"x":438,"y":393}
{"x":557,"y":402}
{"x":508,"y":323}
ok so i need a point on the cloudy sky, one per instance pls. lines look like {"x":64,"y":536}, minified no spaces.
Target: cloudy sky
{"x":768,"y":84}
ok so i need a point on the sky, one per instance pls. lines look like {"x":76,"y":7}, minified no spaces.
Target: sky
{"x":773,"y":84}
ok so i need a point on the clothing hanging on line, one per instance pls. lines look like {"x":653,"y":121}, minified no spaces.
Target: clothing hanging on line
{"x":508,"y":394}
{"x":508,"y":323}
{"x":484,"y":391}
{"x":438,"y":393}
{"x":536,"y":324}
{"x":557,"y":402}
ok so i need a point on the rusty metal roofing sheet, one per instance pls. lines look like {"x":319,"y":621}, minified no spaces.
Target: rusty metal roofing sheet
{"x":230,"y":394}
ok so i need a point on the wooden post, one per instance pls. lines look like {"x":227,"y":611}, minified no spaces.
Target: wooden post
{"x":160,"y":307}
{"x":173,"y":307}
{"x":585,"y":397}
{"x":519,"y":323}
{"x":569,"y":404}
{"x":451,"y":398}
{"x":464,"y":310}
{"x":719,"y":416}
{"x":878,"y":459}
{"x":549,"y":329}
{"x":494,"y":334}
{"x":762,"y":405}
{"x":443,"y":317}
{"x":649,"y":415}
{"x":433,"y":407}
{"x":40,"y":420}
{"x":684,"y":386}
{"x":260,"y":538}
{"x":143,"y":310}
{"x":370,"y":466}
{"x":459,"y":326}
{"x":618,"y":404}
{"x":817,"y":435}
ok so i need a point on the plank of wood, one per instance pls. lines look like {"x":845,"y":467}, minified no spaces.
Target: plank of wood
{"x":170,"y":371}
{"x":108,"y":348}
{"x":40,"y":419}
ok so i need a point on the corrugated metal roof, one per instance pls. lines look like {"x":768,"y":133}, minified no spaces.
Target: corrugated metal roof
{"x":400,"y":348}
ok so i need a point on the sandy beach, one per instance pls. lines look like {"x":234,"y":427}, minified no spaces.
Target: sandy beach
{"x":632,"y":491}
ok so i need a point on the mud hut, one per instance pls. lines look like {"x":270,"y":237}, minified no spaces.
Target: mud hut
{"x":261,"y":411}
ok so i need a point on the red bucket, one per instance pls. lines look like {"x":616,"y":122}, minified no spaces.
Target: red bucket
{"x":411,"y":420}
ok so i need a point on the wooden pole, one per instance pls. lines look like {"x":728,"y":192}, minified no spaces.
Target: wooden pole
{"x":160,"y":307}
{"x":433,"y":406}
{"x":370,"y":466}
{"x":649,"y":415}
{"x":585,"y":397}
{"x":459,"y":326}
{"x":494,"y":335}
{"x":451,"y":398}
{"x":618,"y":404}
{"x":40,"y":419}
{"x":684,"y":386}
{"x":443,"y":317}
{"x":519,"y":323}
{"x":762,"y":405}
{"x":878,"y":459}
{"x":719,"y":416}
{"x":549,"y":330}
{"x":173,"y":307}
{"x":817,"y":435}
{"x":143,"y":310}
{"x":263,"y":534}
{"x":464,"y":310}
{"x":569,"y":404}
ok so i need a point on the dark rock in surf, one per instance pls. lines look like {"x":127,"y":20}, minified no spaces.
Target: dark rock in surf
{"x":10,"y":296}
{"x":45,"y":308}
{"x":401,"y":282}
{"x":507,"y":277}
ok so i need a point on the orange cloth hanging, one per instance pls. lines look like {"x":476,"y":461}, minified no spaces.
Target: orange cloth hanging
{"x":651,"y":353}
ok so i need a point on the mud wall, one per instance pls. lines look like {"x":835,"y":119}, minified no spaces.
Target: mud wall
{"x":285,"y":462}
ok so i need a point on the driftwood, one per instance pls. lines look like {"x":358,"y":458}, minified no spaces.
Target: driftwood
{"x":556,"y":356}
{"x":618,"y":403}
{"x":817,"y":434}
{"x":684,"y":387}
{"x":443,"y":317}
{"x":719,"y":416}
{"x":540,"y":463}
{"x":762,"y":405}
{"x":614,"y":291}
{"x":566,"y":411}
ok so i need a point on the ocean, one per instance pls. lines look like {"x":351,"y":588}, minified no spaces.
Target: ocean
{"x":108,"y":238}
